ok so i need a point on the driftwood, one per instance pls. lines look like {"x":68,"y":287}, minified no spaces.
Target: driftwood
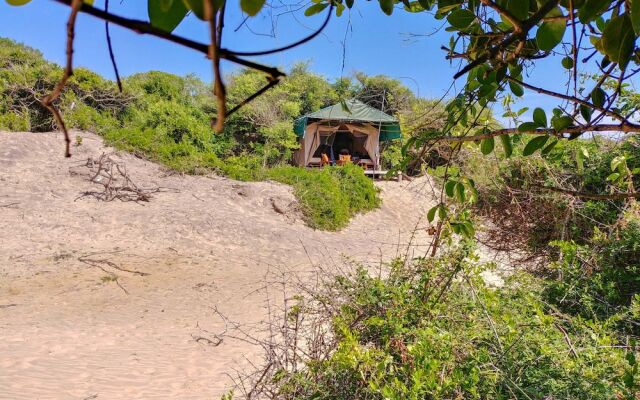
{"x":116,"y":183}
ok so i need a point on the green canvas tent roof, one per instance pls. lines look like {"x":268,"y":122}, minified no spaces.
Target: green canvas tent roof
{"x":357,"y":112}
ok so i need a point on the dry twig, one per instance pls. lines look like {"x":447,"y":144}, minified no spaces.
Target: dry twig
{"x":48,"y":100}
{"x":117,"y":184}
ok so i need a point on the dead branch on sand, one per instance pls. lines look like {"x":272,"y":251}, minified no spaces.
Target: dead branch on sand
{"x":98,"y":263}
{"x":116,"y":183}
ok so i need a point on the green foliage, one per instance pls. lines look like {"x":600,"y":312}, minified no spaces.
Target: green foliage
{"x":330,"y":196}
{"x":14,"y":122}
{"x":431,"y":329}
{"x":600,"y":280}
{"x":510,"y":191}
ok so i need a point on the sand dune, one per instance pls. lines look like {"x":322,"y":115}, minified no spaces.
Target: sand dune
{"x":68,"y":329}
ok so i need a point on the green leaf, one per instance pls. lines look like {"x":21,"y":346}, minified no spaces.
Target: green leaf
{"x":488,"y":91}
{"x":598,"y":97}
{"x":316,"y":8}
{"x":586,"y":112}
{"x":635,"y":16}
{"x":426,"y":4}
{"x":591,"y":9}
{"x":166,"y":14}
{"x":518,"y":8}
{"x":613,"y":177}
{"x":550,"y":34}
{"x":252,"y":7}
{"x":580,"y":161}
{"x":431,"y":214}
{"x":414,"y":7}
{"x":618,"y":40}
{"x":197,"y":6}
{"x":449,"y":188}
{"x":516,"y":89}
{"x":567,"y":62}
{"x":549,"y":147}
{"x":442,"y":212}
{"x":527,"y":127}
{"x":487,"y":145}
{"x":507,"y":145}
{"x":461,"y":18}
{"x":469,"y":230}
{"x":561,"y":123}
{"x":387,"y":6}
{"x":444,"y":6}
{"x":585,"y":152}
{"x":18,"y":2}
{"x":534,"y":145}
{"x":617,"y":162}
{"x":540,"y":118}
{"x":459,"y":192}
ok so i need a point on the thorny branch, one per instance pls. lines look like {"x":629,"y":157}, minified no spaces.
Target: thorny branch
{"x":116,"y":182}
{"x":48,"y":100}
{"x":110,"y":46}
{"x":592,"y":196}
{"x":215,"y":31}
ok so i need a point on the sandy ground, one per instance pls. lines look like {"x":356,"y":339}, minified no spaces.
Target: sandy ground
{"x":68,"y":330}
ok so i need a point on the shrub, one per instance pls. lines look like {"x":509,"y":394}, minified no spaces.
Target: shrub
{"x":360,"y":193}
{"x":432,"y":330}
{"x":14,"y":122}
{"x":600,"y":280}
{"x":330,"y":196}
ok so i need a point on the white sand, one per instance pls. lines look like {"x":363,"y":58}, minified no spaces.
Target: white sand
{"x":65,"y":333}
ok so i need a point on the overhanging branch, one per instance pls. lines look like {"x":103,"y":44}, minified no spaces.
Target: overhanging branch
{"x":624,"y":128}
{"x":592,"y":196}
{"x":145,"y":28}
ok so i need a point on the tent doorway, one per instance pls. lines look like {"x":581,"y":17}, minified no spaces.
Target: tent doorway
{"x":343,"y":142}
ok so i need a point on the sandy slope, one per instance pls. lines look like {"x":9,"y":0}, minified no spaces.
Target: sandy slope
{"x":69,"y":332}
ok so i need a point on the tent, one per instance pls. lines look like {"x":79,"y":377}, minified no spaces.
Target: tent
{"x":358,"y":128}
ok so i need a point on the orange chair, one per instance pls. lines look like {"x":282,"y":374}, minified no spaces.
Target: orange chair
{"x":344,"y":159}
{"x":324,"y":160}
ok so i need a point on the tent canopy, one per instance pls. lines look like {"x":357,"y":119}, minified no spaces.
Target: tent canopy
{"x":356,"y":111}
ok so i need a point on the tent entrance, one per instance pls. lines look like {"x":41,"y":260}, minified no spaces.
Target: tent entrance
{"x":343,"y":141}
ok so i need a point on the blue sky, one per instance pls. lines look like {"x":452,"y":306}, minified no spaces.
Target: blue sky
{"x":404,"y":46}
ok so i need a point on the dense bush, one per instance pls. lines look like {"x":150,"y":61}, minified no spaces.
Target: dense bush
{"x":432,"y":330}
{"x":526,"y":217}
{"x":330,"y":196}
{"x":601,"y":280}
